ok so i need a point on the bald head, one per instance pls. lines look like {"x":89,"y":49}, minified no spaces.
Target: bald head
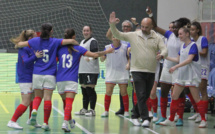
{"x":146,"y":25}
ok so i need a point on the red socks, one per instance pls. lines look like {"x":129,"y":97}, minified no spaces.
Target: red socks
{"x":163,"y":105}
{"x":201,"y":105}
{"x":107,"y":102}
{"x":180,"y":111}
{"x":19,"y":111}
{"x":30,"y":109}
{"x":47,"y":110}
{"x":135,"y":98}
{"x":125,"y":102}
{"x":68,"y":108}
{"x":173,"y":109}
{"x":154,"y":103}
{"x":193,"y":102}
{"x":148,"y":103}
{"x":36,"y":102}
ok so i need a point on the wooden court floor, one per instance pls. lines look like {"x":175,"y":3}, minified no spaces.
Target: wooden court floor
{"x":90,"y":125}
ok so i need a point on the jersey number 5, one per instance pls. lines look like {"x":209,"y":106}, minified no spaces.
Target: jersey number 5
{"x":69,"y":59}
{"x":45,"y":55}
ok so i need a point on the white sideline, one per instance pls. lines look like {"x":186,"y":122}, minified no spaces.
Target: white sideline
{"x":128,"y":119}
{"x":78,"y":125}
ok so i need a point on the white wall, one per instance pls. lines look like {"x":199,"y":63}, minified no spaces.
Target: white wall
{"x":170,"y":10}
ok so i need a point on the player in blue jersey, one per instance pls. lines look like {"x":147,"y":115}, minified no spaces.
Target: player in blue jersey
{"x":26,"y":58}
{"x":67,"y":74}
{"x":45,"y":68}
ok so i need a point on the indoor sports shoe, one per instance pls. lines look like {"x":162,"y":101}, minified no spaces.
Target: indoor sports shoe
{"x":198,"y":119}
{"x":176,"y":117}
{"x":150,"y":114}
{"x":81,"y":112}
{"x":145,"y":123}
{"x":33,"y":119}
{"x":14,"y":125}
{"x":160,"y":120}
{"x":126,"y":114}
{"x":72,"y":123}
{"x":203,"y":124}
{"x":193,"y":117}
{"x":135,"y":122}
{"x":167,"y":122}
{"x":120,"y":111}
{"x":105,"y":114}
{"x":65,"y":126}
{"x":179,"y":122}
{"x":37,"y":125}
{"x":154,"y":119}
{"x":90,"y":112}
{"x":45,"y":127}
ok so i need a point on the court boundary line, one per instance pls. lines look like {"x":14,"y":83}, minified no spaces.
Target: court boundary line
{"x":129,"y":119}
{"x":78,"y":125}
{"x":3,"y":106}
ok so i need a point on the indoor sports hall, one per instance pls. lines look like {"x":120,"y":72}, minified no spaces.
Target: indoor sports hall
{"x":19,"y":15}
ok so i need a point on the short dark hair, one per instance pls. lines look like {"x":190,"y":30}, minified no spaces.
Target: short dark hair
{"x":198,"y":26}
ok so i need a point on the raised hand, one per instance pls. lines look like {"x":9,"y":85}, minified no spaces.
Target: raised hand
{"x":117,"y":20}
{"x":112,"y":19}
{"x":134,"y":21}
{"x":148,"y":10}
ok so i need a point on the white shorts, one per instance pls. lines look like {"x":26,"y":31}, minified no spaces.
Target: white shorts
{"x":194,"y":83}
{"x":169,"y":78}
{"x":67,"y":86}
{"x":204,"y":73}
{"x":26,"y":88}
{"x":117,"y":82}
{"x":44,"y":82}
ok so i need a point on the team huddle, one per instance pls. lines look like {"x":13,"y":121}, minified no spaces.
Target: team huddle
{"x":185,"y":71}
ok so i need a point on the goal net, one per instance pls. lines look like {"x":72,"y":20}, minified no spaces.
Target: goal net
{"x":18,"y":15}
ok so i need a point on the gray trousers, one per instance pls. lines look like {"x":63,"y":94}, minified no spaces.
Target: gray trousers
{"x":143,"y":83}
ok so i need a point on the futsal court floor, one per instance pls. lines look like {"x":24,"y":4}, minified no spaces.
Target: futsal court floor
{"x":90,"y":125}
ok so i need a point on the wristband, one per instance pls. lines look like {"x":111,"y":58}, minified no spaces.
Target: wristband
{"x":151,"y":14}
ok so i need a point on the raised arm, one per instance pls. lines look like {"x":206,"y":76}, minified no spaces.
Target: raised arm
{"x":109,"y":34}
{"x":99,"y":54}
{"x":116,"y":33}
{"x":156,"y":28}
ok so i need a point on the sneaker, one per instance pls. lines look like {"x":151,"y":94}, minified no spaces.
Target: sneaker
{"x":154,"y":119}
{"x":135,"y":122}
{"x":33,"y":119}
{"x":37,"y":125}
{"x":14,"y":125}
{"x":45,"y":127}
{"x":145,"y":123}
{"x":198,"y":119}
{"x":179,"y":122}
{"x":193,"y":117}
{"x":90,"y":112}
{"x":126,"y":114}
{"x":150,"y":114}
{"x":65,"y":126}
{"x":81,"y":112}
{"x":167,"y":122}
{"x":72,"y":123}
{"x":105,"y":114}
{"x":176,"y":117}
{"x":203,"y":124}
{"x":160,"y":120}
{"x":120,"y":111}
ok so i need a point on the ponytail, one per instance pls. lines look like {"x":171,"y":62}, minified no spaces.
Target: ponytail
{"x":23,"y":36}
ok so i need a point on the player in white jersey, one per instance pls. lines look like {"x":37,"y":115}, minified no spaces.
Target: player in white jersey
{"x":167,"y":79}
{"x":88,"y":73}
{"x":116,"y":73}
{"x":202,"y":44}
{"x":126,"y":27}
{"x":189,"y":76}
